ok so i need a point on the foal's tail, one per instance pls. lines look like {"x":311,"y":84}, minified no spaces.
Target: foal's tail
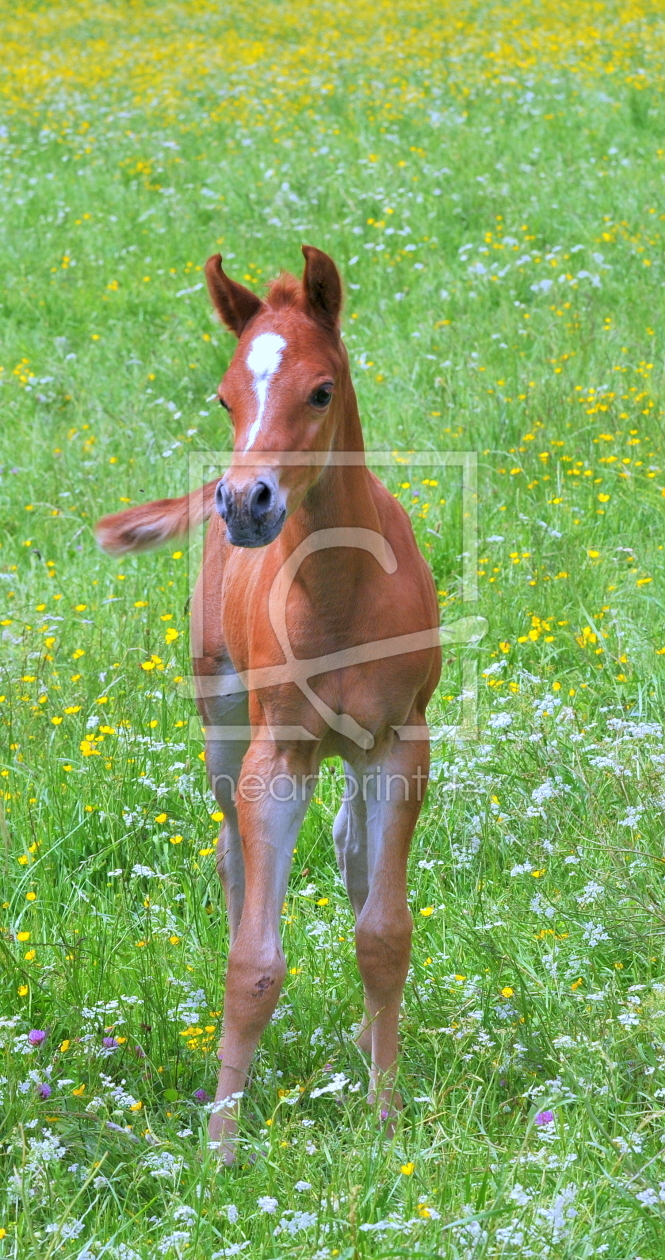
{"x":151,"y":524}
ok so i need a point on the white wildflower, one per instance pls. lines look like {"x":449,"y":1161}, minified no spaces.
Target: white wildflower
{"x":544,"y":792}
{"x":335,"y":1085}
{"x":630,"y":1145}
{"x":177,"y":1240}
{"x":632,"y":816}
{"x":519,"y":1195}
{"x":162,"y":1164}
{"x":538,"y":905}
{"x":560,"y":1212}
{"x":295,"y":1222}
{"x":68,"y":1229}
{"x":45,"y":1151}
{"x":494,"y":668}
{"x":510,"y":1234}
{"x":589,"y":893}
{"x":628,"y":1019}
{"x":594,"y":933}
{"x":500,"y":720}
{"x":267,"y":1204}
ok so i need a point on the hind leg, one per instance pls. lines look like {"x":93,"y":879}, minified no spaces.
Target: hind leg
{"x":384,"y":926}
{"x":350,"y":837}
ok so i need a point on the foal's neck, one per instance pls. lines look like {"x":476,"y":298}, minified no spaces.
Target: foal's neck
{"x":341,"y":497}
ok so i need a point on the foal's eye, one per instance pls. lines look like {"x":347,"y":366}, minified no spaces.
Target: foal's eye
{"x":321,"y":396}
{"x":223,"y":404}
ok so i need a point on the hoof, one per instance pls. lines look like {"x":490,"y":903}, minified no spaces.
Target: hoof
{"x":222,"y":1136}
{"x":388,"y":1117}
{"x":224,"y":1152}
{"x":389,"y":1108}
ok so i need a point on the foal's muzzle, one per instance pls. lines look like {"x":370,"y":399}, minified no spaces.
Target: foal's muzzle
{"x":254,"y":514}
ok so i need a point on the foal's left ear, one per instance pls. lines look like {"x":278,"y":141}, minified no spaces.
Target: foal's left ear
{"x":234,"y":304}
{"x":322,"y":286}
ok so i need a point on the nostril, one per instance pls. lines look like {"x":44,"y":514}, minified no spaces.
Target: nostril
{"x":222,"y":500}
{"x":261,"y":501}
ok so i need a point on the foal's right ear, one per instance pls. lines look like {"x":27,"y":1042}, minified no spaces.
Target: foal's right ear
{"x":234,"y":304}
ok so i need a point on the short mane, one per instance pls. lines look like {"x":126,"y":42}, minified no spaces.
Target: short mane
{"x":285,"y":291}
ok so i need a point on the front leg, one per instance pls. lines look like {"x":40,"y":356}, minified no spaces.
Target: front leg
{"x":273,"y":794}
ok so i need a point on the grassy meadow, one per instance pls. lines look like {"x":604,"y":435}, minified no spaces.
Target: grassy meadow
{"x":490,"y":179}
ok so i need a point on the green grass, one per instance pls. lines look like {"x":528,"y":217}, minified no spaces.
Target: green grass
{"x":538,"y":978}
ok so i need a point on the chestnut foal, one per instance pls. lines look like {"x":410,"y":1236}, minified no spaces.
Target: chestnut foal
{"x":309,"y":565}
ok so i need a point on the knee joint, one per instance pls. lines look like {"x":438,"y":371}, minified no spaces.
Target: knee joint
{"x":253,"y":986}
{"x":260,"y":976}
{"x":383,"y":948}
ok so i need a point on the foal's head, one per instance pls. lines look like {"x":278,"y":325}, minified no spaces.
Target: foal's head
{"x":281,"y":390}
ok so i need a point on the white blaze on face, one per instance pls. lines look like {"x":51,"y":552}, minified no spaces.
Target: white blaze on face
{"x":263,"y":360}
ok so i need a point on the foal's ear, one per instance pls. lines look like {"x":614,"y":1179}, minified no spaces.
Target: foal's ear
{"x":322,"y":286}
{"x":234,"y":304}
